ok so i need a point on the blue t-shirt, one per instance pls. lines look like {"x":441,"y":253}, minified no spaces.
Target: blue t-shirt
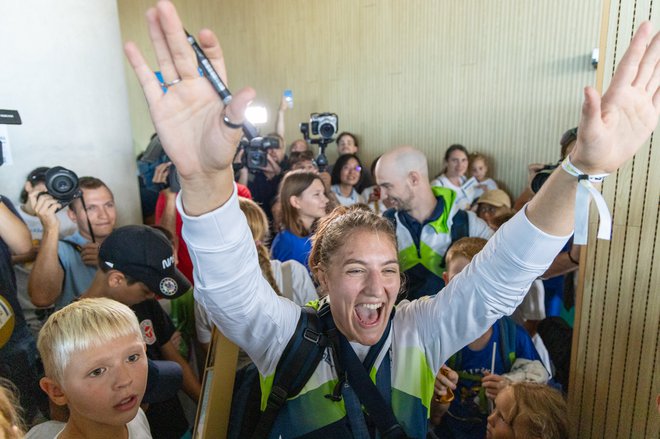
{"x":287,"y":246}
{"x":468,"y":413}
{"x":77,"y":275}
{"x":554,"y":290}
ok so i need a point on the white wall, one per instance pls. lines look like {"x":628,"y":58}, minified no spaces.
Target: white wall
{"x":62,"y":69}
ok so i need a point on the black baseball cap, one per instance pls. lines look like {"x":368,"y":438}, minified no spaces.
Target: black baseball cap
{"x":144,"y":254}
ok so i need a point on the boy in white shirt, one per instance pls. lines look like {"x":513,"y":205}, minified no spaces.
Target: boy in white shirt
{"x":95,"y":362}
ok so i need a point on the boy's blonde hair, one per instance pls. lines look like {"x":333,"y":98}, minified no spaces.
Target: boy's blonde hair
{"x":79,"y":326}
{"x":465,"y":247}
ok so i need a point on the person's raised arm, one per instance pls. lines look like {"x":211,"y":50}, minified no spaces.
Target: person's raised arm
{"x":611,"y":130}
{"x":200,"y":135}
{"x":47,"y":276}
{"x":279,"y":121}
{"x":189,"y":117}
{"x":14,"y":231}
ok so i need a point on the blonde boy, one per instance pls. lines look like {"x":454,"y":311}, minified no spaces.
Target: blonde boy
{"x":95,"y":362}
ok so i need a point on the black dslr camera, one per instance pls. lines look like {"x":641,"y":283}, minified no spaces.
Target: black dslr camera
{"x":255,"y":151}
{"x":62,"y":184}
{"x":324,"y":125}
{"x":541,"y":176}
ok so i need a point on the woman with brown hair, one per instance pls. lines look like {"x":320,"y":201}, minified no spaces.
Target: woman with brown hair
{"x":303,"y":201}
{"x":355,"y":252}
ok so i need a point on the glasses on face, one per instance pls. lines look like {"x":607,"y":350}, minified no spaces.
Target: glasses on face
{"x":351,"y":168}
{"x":485,"y":208}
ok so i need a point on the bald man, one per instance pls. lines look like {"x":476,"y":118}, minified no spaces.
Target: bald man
{"x":426,"y":218}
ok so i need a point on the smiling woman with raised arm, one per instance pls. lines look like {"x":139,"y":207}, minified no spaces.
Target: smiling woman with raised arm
{"x":355,"y":259}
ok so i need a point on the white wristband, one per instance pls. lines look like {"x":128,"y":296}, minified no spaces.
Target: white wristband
{"x":585,"y":191}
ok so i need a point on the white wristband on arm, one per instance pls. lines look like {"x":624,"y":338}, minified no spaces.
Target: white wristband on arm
{"x":585,"y":191}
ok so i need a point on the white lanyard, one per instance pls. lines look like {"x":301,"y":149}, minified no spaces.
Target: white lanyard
{"x":585,"y":191}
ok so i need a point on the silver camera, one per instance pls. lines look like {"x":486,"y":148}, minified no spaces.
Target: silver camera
{"x":323,"y":124}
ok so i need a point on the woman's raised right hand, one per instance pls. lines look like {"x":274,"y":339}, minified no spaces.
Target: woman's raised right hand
{"x":188,"y":118}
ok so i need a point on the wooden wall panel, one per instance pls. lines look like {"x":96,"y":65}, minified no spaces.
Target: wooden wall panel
{"x":504,"y":78}
{"x":615,"y":375}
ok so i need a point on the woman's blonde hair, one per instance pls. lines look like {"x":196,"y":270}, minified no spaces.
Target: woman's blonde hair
{"x":11,"y":424}
{"x":81,"y":325}
{"x":258,"y":223}
{"x":538,"y":411}
{"x":294,"y":184}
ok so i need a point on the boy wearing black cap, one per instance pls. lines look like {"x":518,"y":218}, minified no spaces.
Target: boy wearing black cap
{"x":136,"y":263}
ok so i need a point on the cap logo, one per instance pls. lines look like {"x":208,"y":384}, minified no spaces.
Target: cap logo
{"x":148,"y":333}
{"x":168,"y":286}
{"x":167,"y":263}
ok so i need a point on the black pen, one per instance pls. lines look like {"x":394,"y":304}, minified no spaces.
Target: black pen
{"x":209,"y":72}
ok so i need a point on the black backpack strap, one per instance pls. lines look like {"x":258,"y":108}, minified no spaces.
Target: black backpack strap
{"x":460,"y":226}
{"x":358,"y":377}
{"x":297,"y":364}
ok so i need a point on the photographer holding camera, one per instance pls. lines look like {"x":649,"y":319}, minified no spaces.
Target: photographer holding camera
{"x":65,"y":268}
{"x":260,"y":165}
{"x":35,"y":182}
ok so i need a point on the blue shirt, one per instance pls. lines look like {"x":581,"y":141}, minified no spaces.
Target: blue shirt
{"x":287,"y":246}
{"x":77,"y":276}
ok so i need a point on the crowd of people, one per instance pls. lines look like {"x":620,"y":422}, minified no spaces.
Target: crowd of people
{"x":413,"y":278}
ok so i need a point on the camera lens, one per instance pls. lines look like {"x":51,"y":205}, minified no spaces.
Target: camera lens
{"x":62,"y":184}
{"x":327,"y":130}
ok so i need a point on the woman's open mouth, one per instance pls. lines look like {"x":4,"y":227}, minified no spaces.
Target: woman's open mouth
{"x":368,"y":314}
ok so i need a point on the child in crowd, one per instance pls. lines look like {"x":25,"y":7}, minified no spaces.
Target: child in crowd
{"x":515,"y":359}
{"x":95,"y":362}
{"x":479,"y":170}
{"x":136,"y":263}
{"x":303,"y":201}
{"x":528,"y":410}
{"x":492,"y":204}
